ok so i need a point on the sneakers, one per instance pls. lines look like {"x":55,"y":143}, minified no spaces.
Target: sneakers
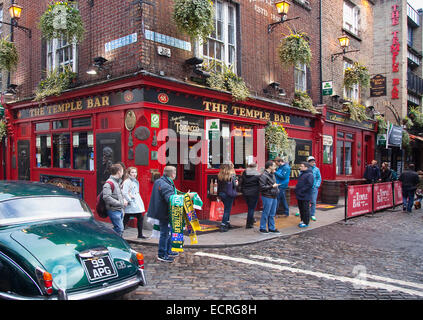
{"x":297,"y":214}
{"x":224,"y":228}
{"x":263,"y":231}
{"x":313,"y":218}
{"x":303,"y":225}
{"x":173,"y":254}
{"x":276,"y":231}
{"x":165,"y":259}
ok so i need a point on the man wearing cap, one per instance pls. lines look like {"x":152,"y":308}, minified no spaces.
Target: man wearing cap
{"x":282,"y":178}
{"x":315,"y":190}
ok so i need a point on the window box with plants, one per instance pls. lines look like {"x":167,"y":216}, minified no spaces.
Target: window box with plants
{"x":55,"y":83}
{"x":303,"y":101}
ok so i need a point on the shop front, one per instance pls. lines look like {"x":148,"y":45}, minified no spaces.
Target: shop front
{"x":148,"y":122}
{"x":348,"y":146}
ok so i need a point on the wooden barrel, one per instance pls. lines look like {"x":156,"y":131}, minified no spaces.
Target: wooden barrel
{"x":329,"y":191}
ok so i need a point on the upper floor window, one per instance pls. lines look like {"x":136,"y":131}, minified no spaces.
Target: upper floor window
{"x":60,"y":54}
{"x":300,"y":71}
{"x":220,"y":46}
{"x":1,"y":19}
{"x":351,"y":17}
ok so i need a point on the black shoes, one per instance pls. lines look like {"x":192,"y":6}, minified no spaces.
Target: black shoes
{"x":276,"y":231}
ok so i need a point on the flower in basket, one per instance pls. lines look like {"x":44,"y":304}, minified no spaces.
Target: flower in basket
{"x":357,"y":74}
{"x":8,"y":55}
{"x":55,"y":83}
{"x":303,"y":101}
{"x":276,"y":138}
{"x":295,"y":49}
{"x":194,"y":17}
{"x":356,"y":110}
{"x":62,"y":20}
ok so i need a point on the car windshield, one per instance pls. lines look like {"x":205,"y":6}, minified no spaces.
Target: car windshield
{"x":41,"y":208}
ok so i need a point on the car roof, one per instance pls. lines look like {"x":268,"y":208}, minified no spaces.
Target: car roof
{"x":16,"y":189}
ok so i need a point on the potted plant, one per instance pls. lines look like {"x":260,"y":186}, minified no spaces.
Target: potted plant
{"x":417,"y":116}
{"x":276,"y":138}
{"x":357,"y":74}
{"x":223,"y":78}
{"x":55,"y":83}
{"x":356,"y":110}
{"x":295,"y":49}
{"x":8,"y":55}
{"x":303,"y":101}
{"x":62,"y":20}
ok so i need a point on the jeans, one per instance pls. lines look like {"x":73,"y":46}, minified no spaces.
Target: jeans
{"x":116,"y":217}
{"x":268,"y":213}
{"x":252,"y":204}
{"x":408,"y":199}
{"x":304,"y":206}
{"x":282,"y":200}
{"x":227,"y":203}
{"x":314,"y":194}
{"x":165,"y":240}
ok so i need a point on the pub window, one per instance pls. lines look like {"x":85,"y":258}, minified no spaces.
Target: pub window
{"x":60,"y":124}
{"x":344,"y":144}
{"x":243,"y":146}
{"x":83,"y":150}
{"x":61,"y":54}
{"x":43,"y":150}
{"x":42,"y":126}
{"x":61,"y":150}
{"x":81,"y":122}
{"x":300,"y":77}
{"x":220,"y":147}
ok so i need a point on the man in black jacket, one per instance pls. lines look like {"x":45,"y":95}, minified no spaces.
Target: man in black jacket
{"x":269,"y":192}
{"x":303,"y":191}
{"x":372,"y":173}
{"x":410,"y":180}
{"x":250,"y":190}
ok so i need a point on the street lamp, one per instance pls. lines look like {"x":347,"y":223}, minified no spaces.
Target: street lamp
{"x":283,"y":8}
{"x":15,"y":11}
{"x":15,"y":14}
{"x":344,"y":43}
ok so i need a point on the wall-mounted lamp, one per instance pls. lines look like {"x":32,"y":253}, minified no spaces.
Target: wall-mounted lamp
{"x":283,"y":8}
{"x":282,"y":92}
{"x":15,"y":14}
{"x":97,"y":66}
{"x":11,"y":90}
{"x":274,"y":85}
{"x":344,"y":43}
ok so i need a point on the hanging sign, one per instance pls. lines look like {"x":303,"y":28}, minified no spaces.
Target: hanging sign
{"x":378,"y":86}
{"x":327,"y":88}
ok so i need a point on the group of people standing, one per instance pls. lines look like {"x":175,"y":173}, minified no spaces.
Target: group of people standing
{"x":271,"y":184}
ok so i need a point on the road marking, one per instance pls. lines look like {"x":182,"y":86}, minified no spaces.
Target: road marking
{"x":270,"y":259}
{"x":354,"y":281}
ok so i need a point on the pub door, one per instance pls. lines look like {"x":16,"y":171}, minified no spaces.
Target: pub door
{"x":23,"y":160}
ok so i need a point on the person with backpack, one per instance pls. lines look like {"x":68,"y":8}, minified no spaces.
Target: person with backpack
{"x":113,"y":198}
{"x":226,"y":190}
{"x":131,"y":192}
{"x":250,"y":190}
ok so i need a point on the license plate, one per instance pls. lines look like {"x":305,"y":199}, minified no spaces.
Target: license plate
{"x":99,"y":268}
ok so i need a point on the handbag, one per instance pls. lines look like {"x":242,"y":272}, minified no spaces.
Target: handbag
{"x":216,"y":210}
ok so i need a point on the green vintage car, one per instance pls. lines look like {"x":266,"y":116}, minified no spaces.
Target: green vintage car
{"x":52,"y":248}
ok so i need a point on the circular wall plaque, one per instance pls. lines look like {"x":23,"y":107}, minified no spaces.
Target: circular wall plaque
{"x":130,"y":120}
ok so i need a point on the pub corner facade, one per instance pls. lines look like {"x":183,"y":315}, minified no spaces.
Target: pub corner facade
{"x":130,"y":111}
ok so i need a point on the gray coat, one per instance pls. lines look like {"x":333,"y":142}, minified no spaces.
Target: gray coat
{"x":114,"y":200}
{"x":131,"y":192}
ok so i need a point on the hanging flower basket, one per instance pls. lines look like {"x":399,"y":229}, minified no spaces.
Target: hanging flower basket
{"x":276,"y":138}
{"x":382,"y":125}
{"x":55,"y":83}
{"x":194,"y":17}
{"x":357,"y":74}
{"x":62,"y":20}
{"x":357,"y":111}
{"x":295,"y":49}
{"x":303,"y":101}
{"x":8,"y":55}
{"x":3,"y":129}
{"x":416,"y":116}
{"x":223,"y":78}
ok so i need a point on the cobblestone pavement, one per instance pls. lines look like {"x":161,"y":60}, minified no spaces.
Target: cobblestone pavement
{"x":326,"y":263}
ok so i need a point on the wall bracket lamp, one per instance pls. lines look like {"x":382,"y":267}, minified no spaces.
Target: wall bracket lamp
{"x":344,"y":42}
{"x":98,"y":65}
{"x":15,"y":13}
{"x":283,"y":8}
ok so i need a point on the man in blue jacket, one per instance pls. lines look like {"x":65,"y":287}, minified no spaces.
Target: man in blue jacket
{"x":282,"y":178}
{"x":303,"y":193}
{"x":317,"y":182}
{"x":158,"y":208}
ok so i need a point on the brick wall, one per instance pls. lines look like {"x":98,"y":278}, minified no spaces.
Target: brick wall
{"x":259,"y":63}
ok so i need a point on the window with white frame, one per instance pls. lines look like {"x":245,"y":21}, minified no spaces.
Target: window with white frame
{"x":1,"y":19}
{"x":60,"y":54}
{"x":351,"y":17}
{"x":300,"y":76}
{"x":353,"y":92}
{"x":220,"y":46}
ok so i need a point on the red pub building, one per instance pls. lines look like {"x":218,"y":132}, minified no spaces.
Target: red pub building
{"x":143,"y":109}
